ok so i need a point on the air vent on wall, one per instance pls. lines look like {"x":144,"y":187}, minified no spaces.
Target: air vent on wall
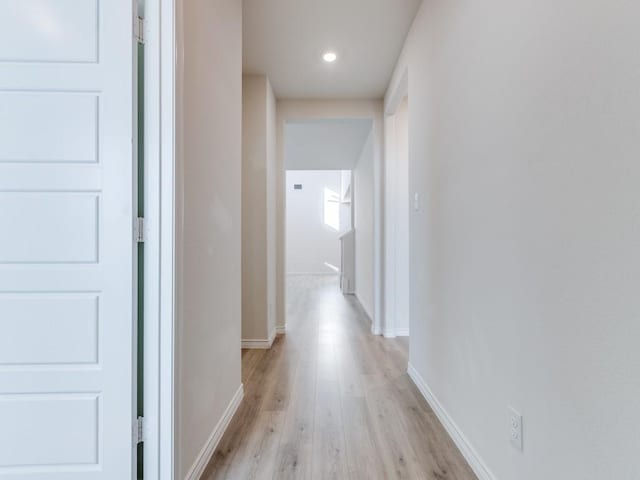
{"x":297,"y":186}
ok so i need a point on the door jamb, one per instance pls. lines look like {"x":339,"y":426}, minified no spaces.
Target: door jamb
{"x":400,"y":90}
{"x":159,"y":269}
{"x":397,"y":93}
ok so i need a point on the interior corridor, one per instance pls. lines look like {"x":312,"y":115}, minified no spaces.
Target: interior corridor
{"x":330,"y":400}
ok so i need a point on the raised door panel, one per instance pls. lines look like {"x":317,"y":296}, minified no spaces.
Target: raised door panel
{"x":49,"y":30}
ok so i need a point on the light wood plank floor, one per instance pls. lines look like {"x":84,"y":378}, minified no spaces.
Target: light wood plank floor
{"x":330,"y":400}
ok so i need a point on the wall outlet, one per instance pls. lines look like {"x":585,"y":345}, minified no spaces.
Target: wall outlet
{"x":416,"y":202}
{"x":515,"y":429}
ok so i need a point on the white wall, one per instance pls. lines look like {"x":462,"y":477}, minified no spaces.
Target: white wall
{"x":327,"y":109}
{"x":525,"y":255}
{"x":258,"y":209}
{"x":208,"y":219}
{"x":396,"y":227}
{"x":310,"y":243}
{"x":363,"y":221}
{"x":330,"y":144}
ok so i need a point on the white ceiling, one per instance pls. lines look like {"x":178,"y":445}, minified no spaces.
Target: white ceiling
{"x":324,"y":144}
{"x":285,"y":39}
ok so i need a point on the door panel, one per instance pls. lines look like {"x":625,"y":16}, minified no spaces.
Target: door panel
{"x":66,"y":242}
{"x":28,"y":317}
{"x":49,"y":30}
{"x":40,"y":228}
{"x":63,"y":429}
{"x":63,"y":127}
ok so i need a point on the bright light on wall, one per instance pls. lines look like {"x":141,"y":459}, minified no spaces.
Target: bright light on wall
{"x":331,"y":209}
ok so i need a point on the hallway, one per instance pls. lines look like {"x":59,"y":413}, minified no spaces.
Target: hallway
{"x":331,"y":400}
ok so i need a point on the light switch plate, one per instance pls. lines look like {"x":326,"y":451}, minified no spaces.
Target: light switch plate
{"x":515,"y":429}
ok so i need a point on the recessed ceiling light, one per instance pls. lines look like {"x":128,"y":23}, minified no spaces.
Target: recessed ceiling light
{"x":329,"y":57}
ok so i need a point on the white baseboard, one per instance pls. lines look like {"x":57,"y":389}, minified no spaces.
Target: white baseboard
{"x":313,"y":274}
{"x":389,"y":333}
{"x":470,"y":454}
{"x":198,"y":467}
{"x":259,"y":343}
{"x":402,"y":332}
{"x":375,"y":328}
{"x":281,"y":329}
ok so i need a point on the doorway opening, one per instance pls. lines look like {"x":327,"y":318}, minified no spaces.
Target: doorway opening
{"x":329,"y":202}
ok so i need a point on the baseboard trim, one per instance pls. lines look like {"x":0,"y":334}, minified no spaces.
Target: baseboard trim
{"x":199,"y":466}
{"x":470,"y":454}
{"x":313,"y":274}
{"x":389,"y":333}
{"x":259,"y":344}
{"x":402,"y":332}
{"x":281,"y":329}
{"x":393,"y":333}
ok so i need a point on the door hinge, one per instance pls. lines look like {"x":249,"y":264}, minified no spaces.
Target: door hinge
{"x":139,"y":230}
{"x":138,"y":430}
{"x":138,"y":29}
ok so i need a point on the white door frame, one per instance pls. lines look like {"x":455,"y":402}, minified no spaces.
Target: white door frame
{"x":396,"y":95}
{"x":159,"y":263}
{"x":288,"y":110}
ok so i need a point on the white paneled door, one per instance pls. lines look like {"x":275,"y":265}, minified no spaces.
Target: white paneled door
{"x":66,"y":239}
